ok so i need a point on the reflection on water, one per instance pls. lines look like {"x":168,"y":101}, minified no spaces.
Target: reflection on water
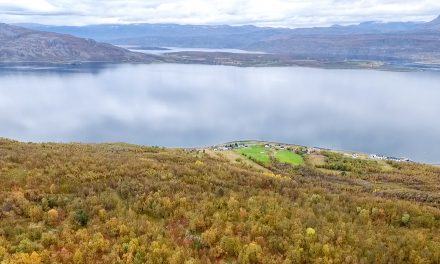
{"x":387,"y":113}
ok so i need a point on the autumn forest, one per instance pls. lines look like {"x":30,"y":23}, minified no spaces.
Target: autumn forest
{"x":120,"y":203}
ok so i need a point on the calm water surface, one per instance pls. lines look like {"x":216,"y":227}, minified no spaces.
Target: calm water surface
{"x":175,"y":49}
{"x":388,"y":113}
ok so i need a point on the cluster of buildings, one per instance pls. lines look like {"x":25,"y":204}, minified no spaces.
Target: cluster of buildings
{"x":314,"y":150}
{"x":380,"y":157}
{"x":310,"y":150}
{"x":240,"y":145}
{"x":229,"y":146}
{"x":275,"y":146}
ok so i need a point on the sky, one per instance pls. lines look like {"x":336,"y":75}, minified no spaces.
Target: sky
{"x":275,"y":13}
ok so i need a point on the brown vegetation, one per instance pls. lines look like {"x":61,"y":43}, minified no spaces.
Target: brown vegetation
{"x":118,"y":203}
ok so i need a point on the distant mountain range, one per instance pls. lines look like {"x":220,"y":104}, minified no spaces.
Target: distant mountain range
{"x":21,"y":45}
{"x":397,"y":43}
{"x":410,"y":41}
{"x":414,"y":42}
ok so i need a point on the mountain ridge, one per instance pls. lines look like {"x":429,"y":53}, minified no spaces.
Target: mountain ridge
{"x":22,"y":45}
{"x":402,"y":44}
{"x":99,"y":30}
{"x":393,"y":41}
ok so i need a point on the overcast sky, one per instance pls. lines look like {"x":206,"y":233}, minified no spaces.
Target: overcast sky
{"x":284,"y":13}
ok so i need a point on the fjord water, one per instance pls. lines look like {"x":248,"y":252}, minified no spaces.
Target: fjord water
{"x":390,"y":113}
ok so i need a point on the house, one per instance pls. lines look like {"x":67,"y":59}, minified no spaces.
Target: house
{"x":377,"y":157}
{"x":313,"y":150}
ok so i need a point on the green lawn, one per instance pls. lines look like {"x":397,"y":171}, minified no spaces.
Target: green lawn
{"x":257,"y":153}
{"x":289,"y":157}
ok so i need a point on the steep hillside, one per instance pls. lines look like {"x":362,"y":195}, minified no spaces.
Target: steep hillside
{"x":24,"y":45}
{"x":119,"y":203}
{"x":433,"y":25}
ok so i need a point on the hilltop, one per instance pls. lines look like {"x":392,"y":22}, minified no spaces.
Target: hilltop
{"x":120,"y":203}
{"x":21,"y":45}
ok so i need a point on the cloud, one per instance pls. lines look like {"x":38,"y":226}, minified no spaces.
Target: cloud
{"x":285,"y":13}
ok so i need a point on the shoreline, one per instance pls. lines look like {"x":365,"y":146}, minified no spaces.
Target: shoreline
{"x":240,"y":60}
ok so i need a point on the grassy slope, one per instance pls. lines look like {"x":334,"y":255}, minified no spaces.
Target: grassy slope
{"x":257,"y":153}
{"x":262,"y":155}
{"x":289,"y":157}
{"x":115,"y":203}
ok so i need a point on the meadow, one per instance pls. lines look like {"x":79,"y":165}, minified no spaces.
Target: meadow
{"x":289,"y":157}
{"x":263,"y":155}
{"x":257,"y":153}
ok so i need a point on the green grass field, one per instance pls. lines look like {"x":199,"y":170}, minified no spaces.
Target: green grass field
{"x":289,"y":157}
{"x":257,"y":153}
